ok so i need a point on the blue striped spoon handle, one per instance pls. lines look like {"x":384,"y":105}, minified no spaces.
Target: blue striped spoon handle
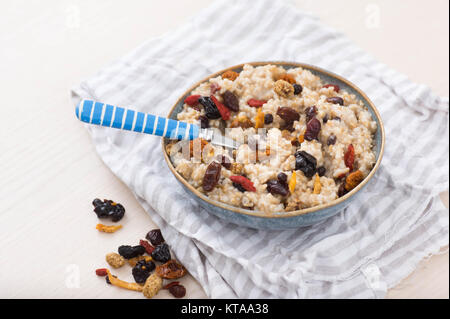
{"x":93,"y":112}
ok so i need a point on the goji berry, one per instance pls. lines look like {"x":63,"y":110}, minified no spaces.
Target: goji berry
{"x":102,"y":272}
{"x":192,"y":100}
{"x":223,"y":110}
{"x":256,"y":103}
{"x":349,"y":157}
{"x":148,"y":248}
{"x":245,"y":182}
{"x":334,"y":86}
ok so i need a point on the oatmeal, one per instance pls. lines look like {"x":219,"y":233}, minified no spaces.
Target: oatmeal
{"x":303,"y":142}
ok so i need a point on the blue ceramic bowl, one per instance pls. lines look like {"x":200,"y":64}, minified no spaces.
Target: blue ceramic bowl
{"x":293,"y":219}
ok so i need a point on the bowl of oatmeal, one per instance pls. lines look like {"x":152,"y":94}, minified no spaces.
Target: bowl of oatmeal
{"x":309,"y":141}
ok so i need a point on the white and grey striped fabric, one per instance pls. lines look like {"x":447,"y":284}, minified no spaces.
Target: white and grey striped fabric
{"x":359,"y":253}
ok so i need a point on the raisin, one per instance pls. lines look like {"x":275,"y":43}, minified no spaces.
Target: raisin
{"x":295,"y":143}
{"x":155,"y":237}
{"x":276,"y":188}
{"x":335,"y":100}
{"x":239,"y":187}
{"x":129,"y":252}
{"x":171,"y":270}
{"x":349,"y":157}
{"x":306,"y":163}
{"x":204,"y":121}
{"x":108,"y":208}
{"x":282,"y":178}
{"x":148,"y":248}
{"x":321,"y":171}
{"x":231,"y":101}
{"x":173,"y":283}
{"x":211,"y":177}
{"x":211,"y":110}
{"x":289,"y":115}
{"x":142,"y":270}
{"x":161,"y":253}
{"x":298,"y":89}
{"x":178,"y":291}
{"x":312,"y":129}
{"x":331,"y":139}
{"x":342,"y":191}
{"x":336,"y":118}
{"x":334,"y":86}
{"x":325,"y":119}
{"x":224,"y":161}
{"x":268,"y":118}
{"x":310,"y":112}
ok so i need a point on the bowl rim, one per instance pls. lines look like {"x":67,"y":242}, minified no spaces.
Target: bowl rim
{"x":299,"y":212}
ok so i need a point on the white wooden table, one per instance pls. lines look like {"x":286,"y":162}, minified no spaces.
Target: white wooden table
{"x":49,"y":171}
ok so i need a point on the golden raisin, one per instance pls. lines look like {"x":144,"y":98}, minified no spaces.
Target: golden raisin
{"x":230,"y":75}
{"x":123,"y":284}
{"x":292,"y":182}
{"x":283,"y":88}
{"x":241,"y":121}
{"x":259,"y":119}
{"x":353,"y":180}
{"x":317,"y":185}
{"x":287,"y":77}
{"x":152,"y":286}
{"x":115,"y":260}
{"x":108,"y":229}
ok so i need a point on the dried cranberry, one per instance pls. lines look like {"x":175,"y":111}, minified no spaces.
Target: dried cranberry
{"x":297,"y":88}
{"x":268,"y":118}
{"x":306,"y":163}
{"x":155,"y":237}
{"x":310,"y":112}
{"x":312,"y":129}
{"x":321,"y":171}
{"x":288,"y":114}
{"x":335,"y":100}
{"x":204,"y":121}
{"x":211,"y":110}
{"x":331,"y":139}
{"x":231,"y":101}
{"x":211,"y":177}
{"x":178,"y":291}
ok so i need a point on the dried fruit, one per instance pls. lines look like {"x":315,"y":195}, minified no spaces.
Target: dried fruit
{"x":230,"y":75}
{"x":292,"y":182}
{"x":224,"y":111}
{"x":152,"y":286}
{"x":142,"y":270}
{"x":325,"y":119}
{"x":306,"y":163}
{"x":256,"y":103}
{"x":276,"y":188}
{"x":237,"y":168}
{"x":102,"y":272}
{"x":317,"y":185}
{"x":193,"y":147}
{"x":301,"y":138}
{"x":211,"y":110}
{"x":342,"y":191}
{"x":128,"y":252}
{"x":283,"y":88}
{"x":214,"y":87}
{"x":211,"y":177}
{"x":133,"y":261}
{"x":297,"y":89}
{"x":173,"y":283}
{"x":224,"y":161}
{"x":108,"y":208}
{"x":148,"y":248}
{"x":171,"y":270}
{"x":349,"y":157}
{"x":115,"y":260}
{"x":286,"y":77}
{"x":321,"y":171}
{"x":192,"y":100}
{"x":289,"y":115}
{"x":161,"y":253}
{"x":310,"y":112}
{"x":331,"y":139}
{"x":241,"y":121}
{"x":155,"y":237}
{"x":259,"y":119}
{"x":178,"y":291}
{"x":123,"y":284}
{"x":353,"y":180}
{"x":239,"y":187}
{"x":204,"y":121}
{"x":312,"y":129}
{"x":268,"y":118}
{"x":282,"y":178}
{"x":334,"y":86}
{"x":108,"y":229}
{"x":335,"y":100}
{"x":231,"y":101}
{"x":245,"y":182}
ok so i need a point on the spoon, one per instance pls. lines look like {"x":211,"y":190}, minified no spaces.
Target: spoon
{"x":98,"y":113}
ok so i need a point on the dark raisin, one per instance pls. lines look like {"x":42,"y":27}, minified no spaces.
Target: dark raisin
{"x":321,"y":171}
{"x":276,"y":188}
{"x":282,"y":178}
{"x":107,"y":279}
{"x":142,"y":270}
{"x":336,"y":118}
{"x":268,"y":118}
{"x":178,"y":291}
{"x":335,"y":100}
{"x":289,"y":115}
{"x":310,"y":112}
{"x":331,"y":139}
{"x":224,"y":161}
{"x":312,"y":129}
{"x":325,"y":119}
{"x":161,"y":253}
{"x":239,"y":187}
{"x":288,"y":126}
{"x":297,"y":89}
{"x":108,"y":208}
{"x":204,"y":121}
{"x":231,"y":101}
{"x":306,"y":163}
{"x":129,"y":252}
{"x":97,"y":202}
{"x":295,"y":143}
{"x":155,"y":237}
{"x":342,"y":191}
{"x":211,"y":177}
{"x":211,"y":110}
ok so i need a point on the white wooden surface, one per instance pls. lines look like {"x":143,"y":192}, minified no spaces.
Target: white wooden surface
{"x":49,"y":171}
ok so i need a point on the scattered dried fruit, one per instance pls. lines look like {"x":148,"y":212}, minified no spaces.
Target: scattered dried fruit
{"x":331,"y":139}
{"x":241,"y":121}
{"x":334,"y":86}
{"x":115,"y":260}
{"x":192,"y":100}
{"x":321,"y":171}
{"x":259,"y":119}
{"x":171,"y":270}
{"x":161,"y":253}
{"x":275,"y":187}
{"x":312,"y":129}
{"x":178,"y":291}
{"x":214,"y":87}
{"x":244,"y":182}
{"x":195,"y":150}
{"x":335,"y":100}
{"x":306,"y":163}
{"x":211,"y":110}
{"x":173,"y":283}
{"x":204,"y":121}
{"x":152,"y":286}
{"x":224,"y":161}
{"x":102,"y":272}
{"x":128,"y":252}
{"x":353,"y":180}
{"x":301,"y":138}
{"x":108,"y":229}
{"x":231,"y":101}
{"x":268,"y":118}
{"x":286,"y":77}
{"x":237,"y":168}
{"x":256,"y":103}
{"x":108,"y":208}
{"x":297,"y":89}
{"x":155,"y":237}
{"x":224,"y":111}
{"x":141,"y":271}
{"x":342,"y":191}
{"x":133,"y":261}
{"x":283,"y":88}
{"x":123,"y":284}
{"x":317,"y":185}
{"x":148,"y":248}
{"x":289,"y":115}
{"x":349,"y":157}
{"x":292,"y":182}
{"x":230,"y":75}
{"x":211,"y":177}
{"x":310,"y":112}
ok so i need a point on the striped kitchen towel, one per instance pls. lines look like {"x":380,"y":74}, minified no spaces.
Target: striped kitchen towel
{"x":361,"y":252}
